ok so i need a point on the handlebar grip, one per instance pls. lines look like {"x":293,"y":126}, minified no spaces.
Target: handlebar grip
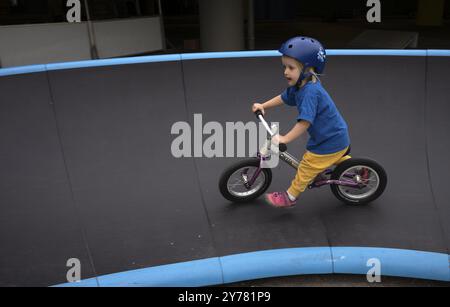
{"x":258,"y":113}
{"x":282,"y":147}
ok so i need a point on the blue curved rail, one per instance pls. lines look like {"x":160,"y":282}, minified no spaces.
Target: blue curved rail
{"x":277,"y":263}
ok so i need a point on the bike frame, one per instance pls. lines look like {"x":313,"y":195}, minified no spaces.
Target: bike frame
{"x":268,"y":148}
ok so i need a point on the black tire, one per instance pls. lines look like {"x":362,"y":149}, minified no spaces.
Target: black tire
{"x":342,"y":167}
{"x":252,"y":162}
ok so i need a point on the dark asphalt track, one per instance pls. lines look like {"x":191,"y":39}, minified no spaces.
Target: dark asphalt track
{"x":87,"y":171}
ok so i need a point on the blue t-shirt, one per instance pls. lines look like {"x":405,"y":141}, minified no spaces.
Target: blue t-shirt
{"x":328,"y":131}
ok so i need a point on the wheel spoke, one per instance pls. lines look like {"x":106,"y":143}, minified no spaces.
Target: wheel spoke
{"x":234,"y":185}
{"x":237,"y":182}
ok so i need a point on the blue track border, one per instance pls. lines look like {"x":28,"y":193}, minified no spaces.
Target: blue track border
{"x":19,"y":70}
{"x":210,"y":55}
{"x":278,"y":263}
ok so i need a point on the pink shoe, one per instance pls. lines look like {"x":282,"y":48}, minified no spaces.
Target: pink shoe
{"x":279,"y":200}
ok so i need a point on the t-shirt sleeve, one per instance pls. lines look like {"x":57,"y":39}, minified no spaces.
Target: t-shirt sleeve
{"x":307,"y":110}
{"x":288,"y":97}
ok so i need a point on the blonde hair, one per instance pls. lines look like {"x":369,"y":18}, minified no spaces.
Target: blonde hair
{"x":312,"y":78}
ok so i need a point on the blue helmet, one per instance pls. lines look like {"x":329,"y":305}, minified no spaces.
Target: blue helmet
{"x":306,"y":50}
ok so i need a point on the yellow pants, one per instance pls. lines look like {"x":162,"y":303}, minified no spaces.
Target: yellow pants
{"x":311,"y":165}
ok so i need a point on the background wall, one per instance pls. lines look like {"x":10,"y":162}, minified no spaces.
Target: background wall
{"x":60,"y":42}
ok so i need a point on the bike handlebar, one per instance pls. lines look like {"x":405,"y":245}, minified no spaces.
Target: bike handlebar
{"x":281,"y":146}
{"x":258,"y":113}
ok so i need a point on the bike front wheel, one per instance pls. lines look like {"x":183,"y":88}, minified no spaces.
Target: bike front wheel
{"x":232,"y":183}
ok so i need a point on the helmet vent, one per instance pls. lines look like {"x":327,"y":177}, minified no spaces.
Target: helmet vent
{"x":290,"y":46}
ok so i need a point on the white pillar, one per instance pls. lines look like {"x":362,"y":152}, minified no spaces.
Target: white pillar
{"x":222,"y":25}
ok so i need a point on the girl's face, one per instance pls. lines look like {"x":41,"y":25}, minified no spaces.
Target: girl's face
{"x":292,"y":69}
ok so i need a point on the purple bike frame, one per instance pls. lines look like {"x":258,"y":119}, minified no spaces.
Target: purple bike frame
{"x":315,"y":184}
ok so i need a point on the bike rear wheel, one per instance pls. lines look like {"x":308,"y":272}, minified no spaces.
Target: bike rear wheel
{"x":370,"y":177}
{"x":232,"y":181}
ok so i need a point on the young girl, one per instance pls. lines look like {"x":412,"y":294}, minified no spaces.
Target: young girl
{"x":303,"y":59}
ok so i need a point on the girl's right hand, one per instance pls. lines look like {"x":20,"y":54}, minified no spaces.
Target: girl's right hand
{"x":257,"y":106}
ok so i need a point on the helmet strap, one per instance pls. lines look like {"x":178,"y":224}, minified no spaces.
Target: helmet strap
{"x":316,"y":75}
{"x":303,"y":76}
